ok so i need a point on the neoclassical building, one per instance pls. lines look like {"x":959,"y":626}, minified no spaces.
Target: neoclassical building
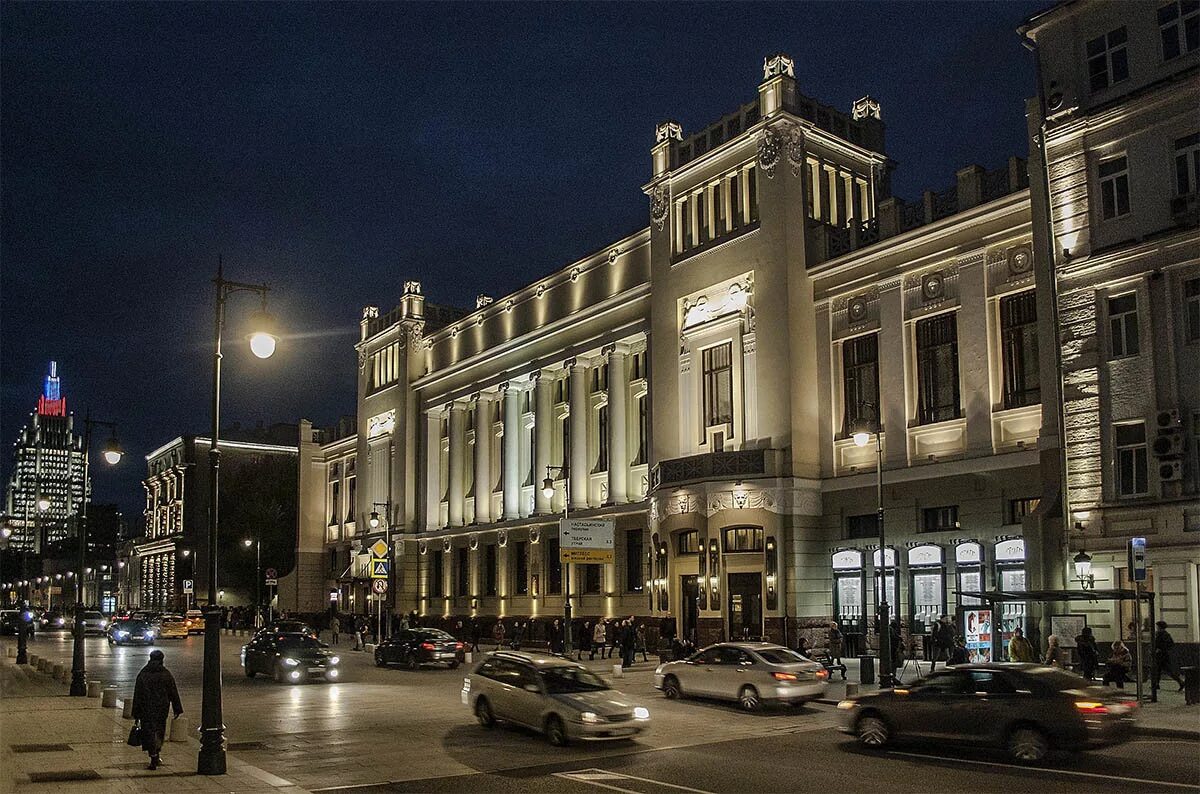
{"x":698,"y":382}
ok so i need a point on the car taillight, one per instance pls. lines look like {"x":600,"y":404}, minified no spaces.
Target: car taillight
{"x":822,"y":674}
{"x":784,"y":676}
{"x":458,"y":646}
{"x":1129,"y":704}
{"x":1091,"y":707}
{"x":429,"y":646}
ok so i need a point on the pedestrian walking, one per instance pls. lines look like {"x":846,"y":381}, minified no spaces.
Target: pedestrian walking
{"x":476,"y":634}
{"x":1054,"y":652}
{"x":1164,"y":643}
{"x":628,"y":640}
{"x":1089,"y":654}
{"x":556,"y":637}
{"x":640,"y":642}
{"x":1019,"y":648}
{"x":335,"y":628}
{"x":360,"y":631}
{"x":610,"y":637}
{"x":943,"y":641}
{"x":154,"y":695}
{"x":498,"y":633}
{"x":519,"y":634}
{"x":1119,"y":662}
{"x":835,"y":643}
{"x":585,"y":639}
{"x":958,"y":654}
{"x":258,"y":620}
{"x":598,"y":635}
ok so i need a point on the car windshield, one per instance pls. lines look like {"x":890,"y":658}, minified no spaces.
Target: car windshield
{"x":1057,"y":680}
{"x":433,"y":634}
{"x":93,"y":616}
{"x":781,"y":656}
{"x":133,"y":625}
{"x":298,"y":641}
{"x":565,"y":680}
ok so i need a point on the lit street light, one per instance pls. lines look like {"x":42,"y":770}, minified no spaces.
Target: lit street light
{"x":548,"y":492}
{"x":257,"y":544}
{"x":862,"y":436}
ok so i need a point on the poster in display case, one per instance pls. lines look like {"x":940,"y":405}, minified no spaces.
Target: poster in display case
{"x":1067,"y":628}
{"x":977,"y":632}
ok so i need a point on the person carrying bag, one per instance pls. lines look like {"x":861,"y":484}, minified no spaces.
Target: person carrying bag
{"x":154,"y":696}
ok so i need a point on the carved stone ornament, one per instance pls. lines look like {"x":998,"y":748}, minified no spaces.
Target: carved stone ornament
{"x":508,"y":305}
{"x":769,"y":144}
{"x":1020,"y":260}
{"x":535,"y":535}
{"x":795,"y":148}
{"x":370,"y":312}
{"x":778,"y":64}
{"x":575,"y":271}
{"x":613,"y":254}
{"x":453,"y":331}
{"x":856,"y":309}
{"x":933,"y":286}
{"x":668,"y":130}
{"x":446,"y":545}
{"x":482,"y":300}
{"x":502,"y":537}
{"x":541,"y":290}
{"x":412,"y":288}
{"x":473,"y":542}
{"x":422,"y":547}
{"x":866,"y":107}
{"x":660,"y":203}
{"x":362,"y":360}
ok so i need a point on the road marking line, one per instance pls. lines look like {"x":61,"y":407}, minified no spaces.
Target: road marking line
{"x":593,"y":775}
{"x":1047,"y":769}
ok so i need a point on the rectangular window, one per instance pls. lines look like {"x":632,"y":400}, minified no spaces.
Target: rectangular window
{"x":335,"y":496}
{"x":687,"y":542}
{"x":602,"y":433}
{"x":860,"y":380}
{"x":1019,"y":508}
{"x":1108,"y":60}
{"x":553,"y":567}
{"x":739,"y":539}
{"x":1018,"y":338}
{"x":637,"y":370}
{"x":643,"y":429}
{"x":489,"y":567}
{"x":937,"y":369}
{"x":1129,"y":442}
{"x":685,"y":218}
{"x":752,"y":187}
{"x":1114,"y":188}
{"x":718,"y":385}
{"x":862,"y":527}
{"x":634,"y":576}
{"x":566,"y":444}
{"x":939,"y":519}
{"x":1123,"y":325}
{"x":351,"y":489}
{"x":462,"y":572}
{"x":1187,"y":164}
{"x":520,"y":552}
{"x":1191,"y":309}
{"x":436,"y":587}
{"x":591,"y":578}
{"x":735,"y":200}
{"x":718,"y":195}
{"x":1179,"y":27}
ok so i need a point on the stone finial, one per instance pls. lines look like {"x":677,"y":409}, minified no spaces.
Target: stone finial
{"x":482,"y":300}
{"x":370,"y":312}
{"x":668,"y":130}
{"x":778,"y":64}
{"x":866,"y":107}
{"x":412,"y":288}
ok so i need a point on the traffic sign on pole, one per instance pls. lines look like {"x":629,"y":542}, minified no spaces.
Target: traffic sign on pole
{"x":1137,"y":559}
{"x":586,"y":540}
{"x":379,"y":586}
{"x":188,"y":586}
{"x":379,"y":569}
{"x":379,"y":549}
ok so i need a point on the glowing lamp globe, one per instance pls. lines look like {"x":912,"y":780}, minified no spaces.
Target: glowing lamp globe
{"x":262,"y":336}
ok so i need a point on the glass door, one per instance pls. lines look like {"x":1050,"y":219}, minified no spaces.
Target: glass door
{"x":745,"y":605}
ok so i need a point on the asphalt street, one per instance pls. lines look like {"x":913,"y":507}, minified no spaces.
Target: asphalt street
{"x":401,"y":730}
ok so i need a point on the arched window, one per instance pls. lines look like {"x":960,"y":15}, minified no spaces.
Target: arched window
{"x":739,"y":539}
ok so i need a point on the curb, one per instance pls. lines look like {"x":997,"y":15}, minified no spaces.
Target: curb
{"x":1167,"y":733}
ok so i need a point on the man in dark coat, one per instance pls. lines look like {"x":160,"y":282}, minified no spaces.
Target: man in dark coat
{"x":154,"y":693}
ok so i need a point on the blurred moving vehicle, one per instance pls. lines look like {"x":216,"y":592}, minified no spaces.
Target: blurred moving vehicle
{"x":289,"y":658}
{"x":173,"y":627}
{"x":562,"y":699}
{"x":195,"y":621}
{"x":1025,"y":709}
{"x":94,"y":622}
{"x":287,"y":627}
{"x":53,"y":620}
{"x":752,"y":673}
{"x":124,"y":632}
{"x":10,"y":622}
{"x":415,"y":647}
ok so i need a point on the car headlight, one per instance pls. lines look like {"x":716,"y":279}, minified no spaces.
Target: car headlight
{"x":333,"y":673}
{"x":290,"y":662}
{"x":334,"y":659}
{"x":589,"y":717}
{"x":149,"y":632}
{"x":846,"y":705}
{"x":295,"y":675}
{"x":641,"y":713}
{"x":121,"y":633}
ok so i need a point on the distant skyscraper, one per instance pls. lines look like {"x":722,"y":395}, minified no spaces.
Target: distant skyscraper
{"x":47,"y":469}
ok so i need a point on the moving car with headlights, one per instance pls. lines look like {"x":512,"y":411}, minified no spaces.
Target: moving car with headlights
{"x":54,"y":620}
{"x":287,"y":627}
{"x":556,"y":696}
{"x":1026,"y":709}
{"x":289,"y":658}
{"x":10,"y":621}
{"x":752,"y":673}
{"x":94,"y":622}
{"x":125,"y":632}
{"x":195,"y":621}
{"x":415,"y":647}
{"x":173,"y":627}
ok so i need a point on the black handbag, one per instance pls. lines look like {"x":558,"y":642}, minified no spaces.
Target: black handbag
{"x":135,"y":736}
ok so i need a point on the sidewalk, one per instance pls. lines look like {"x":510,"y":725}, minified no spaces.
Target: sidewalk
{"x":50,"y":742}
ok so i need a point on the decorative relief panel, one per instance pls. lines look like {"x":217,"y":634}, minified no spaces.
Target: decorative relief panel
{"x":853,"y":314}
{"x":930,"y":291}
{"x":660,"y":205}
{"x":1010,"y":267}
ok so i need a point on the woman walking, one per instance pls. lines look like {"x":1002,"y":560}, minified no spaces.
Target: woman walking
{"x":154,"y":694}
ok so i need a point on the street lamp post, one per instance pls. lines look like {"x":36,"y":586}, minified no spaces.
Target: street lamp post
{"x":257,"y":544}
{"x":862,"y":436}
{"x":211,"y":760}
{"x":548,"y":492}
{"x":373,"y":521}
{"x":112,"y":456}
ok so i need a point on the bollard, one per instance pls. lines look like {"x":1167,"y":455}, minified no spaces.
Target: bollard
{"x":11,"y":652}
{"x":618,"y":671}
{"x":468,"y":658}
{"x":58,"y":672}
{"x":179,"y":729}
{"x":66,"y":674}
{"x":94,"y":688}
{"x":127,"y":708}
{"x":33,"y":660}
{"x":44,"y":666}
{"x":851,"y":689}
{"x":108,"y":698}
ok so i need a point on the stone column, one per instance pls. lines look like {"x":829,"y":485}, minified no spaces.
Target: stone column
{"x":543,"y":427}
{"x":433,"y":468}
{"x":483,"y":458}
{"x":512,"y":451}
{"x":458,"y":451}
{"x":618,"y":427}
{"x":579,"y":451}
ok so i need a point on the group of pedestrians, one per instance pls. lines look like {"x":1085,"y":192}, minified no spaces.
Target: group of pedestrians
{"x":1117,"y":668}
{"x":608,"y":636}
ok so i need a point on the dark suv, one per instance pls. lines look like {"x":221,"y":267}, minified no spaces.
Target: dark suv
{"x":415,"y":647}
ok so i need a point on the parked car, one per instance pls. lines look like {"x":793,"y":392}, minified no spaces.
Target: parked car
{"x":173,"y":627}
{"x":195,"y":621}
{"x":415,"y":647}
{"x":10,"y":621}
{"x":289,"y":658}
{"x":94,"y":623}
{"x":562,"y":699}
{"x":1026,"y":709}
{"x":752,"y":673}
{"x":128,"y":631}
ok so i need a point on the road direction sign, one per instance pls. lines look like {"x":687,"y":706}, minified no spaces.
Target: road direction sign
{"x":379,"y":549}
{"x":379,"y":569}
{"x":379,"y":586}
{"x":585,"y":540}
{"x":189,"y":586}
{"x":271,"y":573}
{"x":271,"y":582}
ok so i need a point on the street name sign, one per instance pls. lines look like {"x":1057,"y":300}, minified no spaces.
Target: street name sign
{"x":587,"y":541}
{"x":379,"y":569}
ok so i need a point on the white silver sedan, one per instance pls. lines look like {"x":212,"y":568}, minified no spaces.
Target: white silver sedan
{"x":751,"y":673}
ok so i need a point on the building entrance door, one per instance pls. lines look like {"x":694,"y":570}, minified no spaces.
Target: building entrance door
{"x":689,"y":598}
{"x":745,"y":605}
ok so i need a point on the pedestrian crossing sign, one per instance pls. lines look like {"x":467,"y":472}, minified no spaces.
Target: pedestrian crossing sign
{"x":379,"y":569}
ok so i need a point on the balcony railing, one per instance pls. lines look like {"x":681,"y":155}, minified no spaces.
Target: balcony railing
{"x":715,"y":465}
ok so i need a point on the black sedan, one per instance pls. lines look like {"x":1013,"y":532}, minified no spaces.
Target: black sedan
{"x":11,"y":620}
{"x":1025,"y":709}
{"x":290,"y":658}
{"x":127,"y":632}
{"x":415,"y":647}
{"x":287,"y":627}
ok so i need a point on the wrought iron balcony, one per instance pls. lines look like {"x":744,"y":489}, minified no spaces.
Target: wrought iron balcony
{"x":717,"y":466}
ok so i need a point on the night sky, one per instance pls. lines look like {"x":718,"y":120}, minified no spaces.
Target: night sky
{"x":338,"y":150}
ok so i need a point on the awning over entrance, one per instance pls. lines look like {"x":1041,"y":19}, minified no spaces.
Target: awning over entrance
{"x":1000,"y":596}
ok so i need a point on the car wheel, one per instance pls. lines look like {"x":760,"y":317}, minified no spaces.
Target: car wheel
{"x":280,"y":676}
{"x":1027,"y":744}
{"x":412,"y":662}
{"x":556,"y":732}
{"x":249,"y":670}
{"x":483,"y":713}
{"x":453,"y":665}
{"x":748,"y":699}
{"x":111,"y":641}
{"x":872,"y":731}
{"x":379,"y":662}
{"x":671,"y":688}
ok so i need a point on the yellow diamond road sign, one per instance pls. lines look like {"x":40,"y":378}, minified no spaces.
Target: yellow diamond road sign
{"x":379,"y":548}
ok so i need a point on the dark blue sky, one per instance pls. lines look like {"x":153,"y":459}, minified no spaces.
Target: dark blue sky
{"x":338,"y":150}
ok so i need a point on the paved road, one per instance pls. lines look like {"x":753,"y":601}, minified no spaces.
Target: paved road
{"x":396,"y":730}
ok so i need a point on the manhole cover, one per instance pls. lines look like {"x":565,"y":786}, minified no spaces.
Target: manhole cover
{"x":40,"y":748}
